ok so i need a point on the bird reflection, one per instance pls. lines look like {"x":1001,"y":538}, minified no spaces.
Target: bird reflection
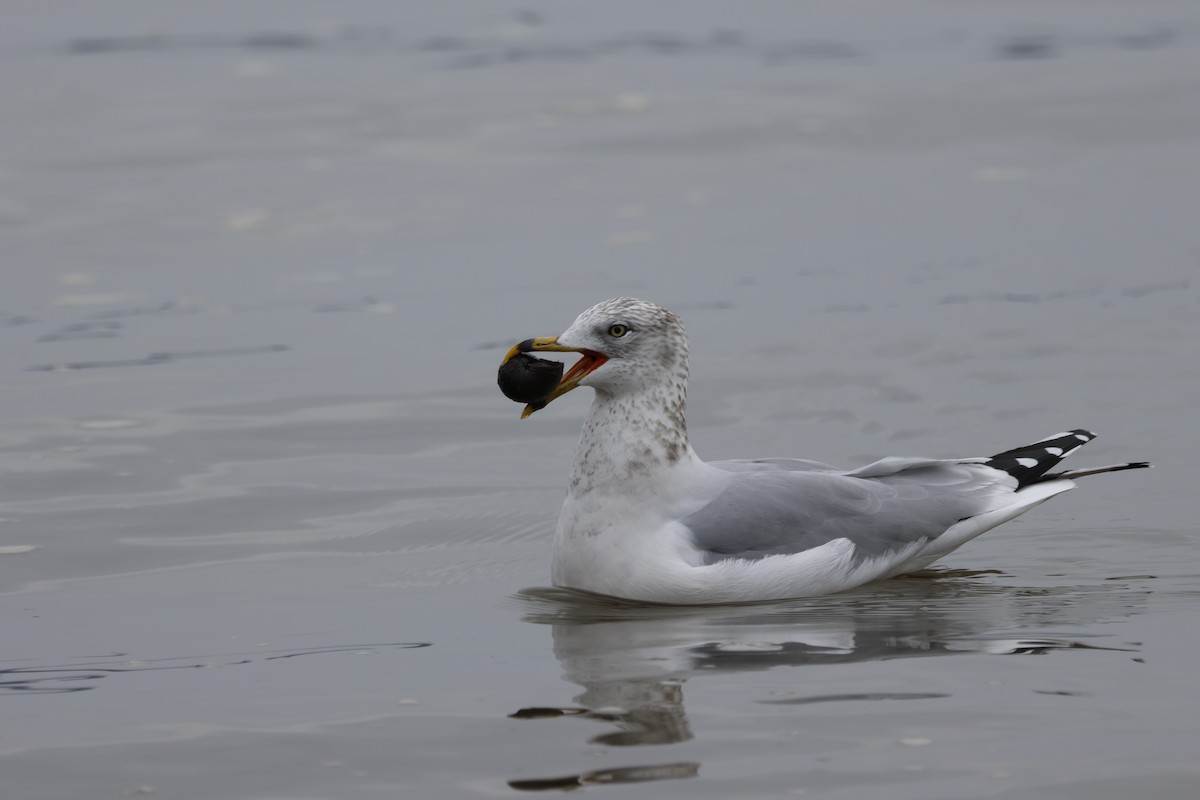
{"x":633,"y":661}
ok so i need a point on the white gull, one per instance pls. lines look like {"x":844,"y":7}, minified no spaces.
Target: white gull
{"x":645,"y":519}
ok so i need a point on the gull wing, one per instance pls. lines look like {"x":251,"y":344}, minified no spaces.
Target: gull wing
{"x":765,"y":508}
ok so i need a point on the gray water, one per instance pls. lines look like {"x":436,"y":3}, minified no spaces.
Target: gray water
{"x":269,"y":530}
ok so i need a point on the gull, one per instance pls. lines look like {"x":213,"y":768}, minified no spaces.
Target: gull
{"x":645,"y":519}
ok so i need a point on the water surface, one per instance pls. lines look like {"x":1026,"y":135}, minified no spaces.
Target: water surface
{"x":267,"y":528}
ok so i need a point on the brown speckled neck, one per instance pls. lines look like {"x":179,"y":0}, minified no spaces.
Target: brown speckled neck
{"x":629,"y":439}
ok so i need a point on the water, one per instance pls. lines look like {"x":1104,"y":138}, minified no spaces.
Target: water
{"x":267,"y":528}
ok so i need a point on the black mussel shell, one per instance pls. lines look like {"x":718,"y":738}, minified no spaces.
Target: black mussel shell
{"x":527,"y":379}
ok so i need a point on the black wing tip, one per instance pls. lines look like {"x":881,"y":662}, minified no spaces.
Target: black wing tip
{"x":1083,"y":473}
{"x":1030,"y":463}
{"x":1065,"y":441}
{"x":1129,"y":465}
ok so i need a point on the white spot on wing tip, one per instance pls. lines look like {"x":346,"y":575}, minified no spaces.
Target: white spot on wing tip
{"x":1027,"y":462}
{"x":1083,"y":438}
{"x":1054,"y":451}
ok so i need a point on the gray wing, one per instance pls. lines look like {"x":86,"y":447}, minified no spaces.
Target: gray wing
{"x":773,"y":465}
{"x":764,"y":512}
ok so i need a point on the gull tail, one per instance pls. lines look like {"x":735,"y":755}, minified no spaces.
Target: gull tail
{"x":1032,"y":463}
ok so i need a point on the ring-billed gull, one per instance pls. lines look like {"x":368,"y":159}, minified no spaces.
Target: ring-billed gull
{"x":645,"y":519}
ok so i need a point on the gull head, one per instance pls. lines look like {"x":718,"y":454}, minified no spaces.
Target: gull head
{"x":628,"y":346}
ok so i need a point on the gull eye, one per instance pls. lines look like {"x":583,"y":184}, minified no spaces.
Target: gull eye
{"x":618,"y":330}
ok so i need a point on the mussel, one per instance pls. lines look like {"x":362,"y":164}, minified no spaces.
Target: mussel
{"x":527,"y":379}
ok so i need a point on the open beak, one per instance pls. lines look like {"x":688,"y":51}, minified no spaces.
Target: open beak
{"x":581,"y":369}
